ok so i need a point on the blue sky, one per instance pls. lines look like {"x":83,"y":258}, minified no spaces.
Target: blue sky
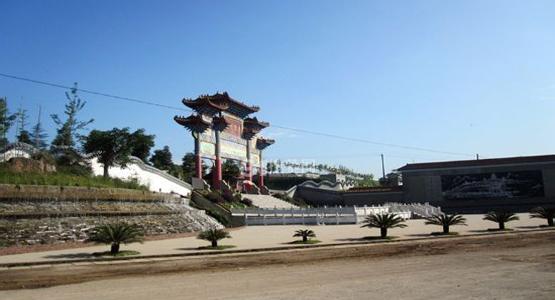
{"x":458,"y":76}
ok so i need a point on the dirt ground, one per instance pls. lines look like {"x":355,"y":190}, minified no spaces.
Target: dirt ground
{"x":260,"y":237}
{"x":507,"y":266}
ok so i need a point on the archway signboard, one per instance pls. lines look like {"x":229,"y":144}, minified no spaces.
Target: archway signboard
{"x":222,"y":129}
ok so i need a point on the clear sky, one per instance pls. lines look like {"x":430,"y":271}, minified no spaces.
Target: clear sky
{"x":458,"y":76}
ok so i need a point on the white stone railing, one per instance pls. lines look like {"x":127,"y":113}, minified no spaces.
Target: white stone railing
{"x":422,"y":210}
{"x":330,"y":215}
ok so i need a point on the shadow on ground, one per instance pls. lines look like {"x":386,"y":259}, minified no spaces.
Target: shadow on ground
{"x":187,"y":249}
{"x":367,"y":238}
{"x":490,"y":230}
{"x":70,"y":255}
{"x":529,"y":227}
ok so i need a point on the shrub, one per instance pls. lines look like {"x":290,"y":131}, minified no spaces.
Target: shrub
{"x":445,"y":221}
{"x":305,"y":234}
{"x":500,"y":217}
{"x":384,"y":222}
{"x":116,"y":234}
{"x":215,"y":197}
{"x":544,"y":213}
{"x":213,"y":235}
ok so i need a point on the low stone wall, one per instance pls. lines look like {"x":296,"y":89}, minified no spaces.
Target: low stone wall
{"x":77,"y":229}
{"x":45,"y":214}
{"x":42,"y":192}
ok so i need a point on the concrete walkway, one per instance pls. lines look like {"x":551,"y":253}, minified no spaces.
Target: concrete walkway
{"x":257,"y":237}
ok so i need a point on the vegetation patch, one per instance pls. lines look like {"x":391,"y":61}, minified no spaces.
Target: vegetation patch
{"x":499,"y":230}
{"x":119,"y":254}
{"x":308,"y":242}
{"x":66,"y":179}
{"x":436,"y":233}
{"x":219,"y":247}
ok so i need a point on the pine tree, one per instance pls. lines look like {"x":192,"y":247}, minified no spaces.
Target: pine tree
{"x":38,"y":134}
{"x":21,"y":132}
{"x":68,"y":130}
{"x":6,"y":121}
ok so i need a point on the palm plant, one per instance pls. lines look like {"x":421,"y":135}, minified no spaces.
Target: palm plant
{"x":544,"y":213}
{"x":305,"y":234}
{"x":445,"y":221}
{"x":213,"y":235}
{"x":383,"y":222}
{"x":116,"y":234}
{"x":500,"y":217}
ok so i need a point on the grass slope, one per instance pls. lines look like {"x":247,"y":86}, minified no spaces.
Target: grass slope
{"x":66,"y":179}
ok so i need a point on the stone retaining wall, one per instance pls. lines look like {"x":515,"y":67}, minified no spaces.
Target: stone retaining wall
{"x":71,"y":229}
{"x":45,"y":214}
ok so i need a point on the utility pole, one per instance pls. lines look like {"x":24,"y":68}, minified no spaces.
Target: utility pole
{"x":383,"y":166}
{"x":477,"y":156}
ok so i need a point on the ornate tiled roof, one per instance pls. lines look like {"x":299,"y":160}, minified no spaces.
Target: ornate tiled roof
{"x":211,"y":104}
{"x":194,"y":122}
{"x":262,"y":143}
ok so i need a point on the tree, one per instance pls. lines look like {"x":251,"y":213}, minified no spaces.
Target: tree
{"x":188,"y":167}
{"x":384,"y":222}
{"x":213,"y":235}
{"x":110,"y":147}
{"x":38,"y":135}
{"x":6,"y":121}
{"x":391,"y":179}
{"x":230,"y":170}
{"x":141,"y":144}
{"x":305,"y":234}
{"x":116,"y":234}
{"x":162,"y":159}
{"x":22,"y":134}
{"x":445,"y":221}
{"x":544,"y":213}
{"x":366,"y":181}
{"x":271,"y":167}
{"x":500,"y":217}
{"x":68,"y":130}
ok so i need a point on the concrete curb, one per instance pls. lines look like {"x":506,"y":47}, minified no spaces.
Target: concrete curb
{"x":87,"y":261}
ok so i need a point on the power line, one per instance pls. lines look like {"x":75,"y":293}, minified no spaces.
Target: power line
{"x":329,"y":135}
{"x":359,"y":140}
{"x":61,"y":86}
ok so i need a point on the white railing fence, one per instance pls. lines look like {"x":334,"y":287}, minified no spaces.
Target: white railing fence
{"x":330,"y":215}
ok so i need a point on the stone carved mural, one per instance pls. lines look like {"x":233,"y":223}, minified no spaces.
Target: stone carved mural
{"x":493,"y":185}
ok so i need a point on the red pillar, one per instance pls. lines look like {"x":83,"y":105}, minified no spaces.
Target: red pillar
{"x":249,"y":171}
{"x":198,"y":158}
{"x":261,"y":177}
{"x":217,"y":174}
{"x":198,"y":166}
{"x":261,"y":172}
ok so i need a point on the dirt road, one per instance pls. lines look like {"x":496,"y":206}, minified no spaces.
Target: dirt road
{"x":506,"y":269}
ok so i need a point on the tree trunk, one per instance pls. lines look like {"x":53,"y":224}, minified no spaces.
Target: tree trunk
{"x":383,"y":232}
{"x":501,"y":225}
{"x":114,"y":249}
{"x":214,"y":243}
{"x":106,"y":175}
{"x":305,"y":239}
{"x":550,"y":222}
{"x":446,"y":229}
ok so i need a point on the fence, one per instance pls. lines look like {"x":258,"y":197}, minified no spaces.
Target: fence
{"x":329,"y":215}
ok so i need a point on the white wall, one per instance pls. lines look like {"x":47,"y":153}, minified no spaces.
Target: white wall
{"x":156,"y":180}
